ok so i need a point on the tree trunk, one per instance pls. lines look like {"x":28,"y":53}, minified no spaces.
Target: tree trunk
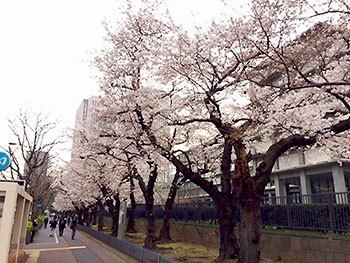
{"x":131,"y":228}
{"x":86,"y":216}
{"x":229,"y":247}
{"x":35,"y":210}
{"x":91,"y":216}
{"x":94,"y":216}
{"x":164,"y":234}
{"x":100,"y":223}
{"x":250,"y":231}
{"x":149,"y":198}
{"x":150,"y":237}
{"x":115,"y":215}
{"x":79,"y":214}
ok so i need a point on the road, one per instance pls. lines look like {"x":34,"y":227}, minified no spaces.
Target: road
{"x":84,"y":249}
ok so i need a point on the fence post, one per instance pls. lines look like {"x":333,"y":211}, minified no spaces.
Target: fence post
{"x":331,"y":213}
{"x":289,"y":216}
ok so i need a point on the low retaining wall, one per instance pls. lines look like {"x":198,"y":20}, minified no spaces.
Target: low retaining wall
{"x":278,"y":248}
{"x":142,"y":254}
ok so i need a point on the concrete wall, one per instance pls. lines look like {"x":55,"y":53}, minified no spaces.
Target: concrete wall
{"x":275,"y":247}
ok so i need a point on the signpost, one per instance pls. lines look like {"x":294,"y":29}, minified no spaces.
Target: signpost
{"x":4,"y":161}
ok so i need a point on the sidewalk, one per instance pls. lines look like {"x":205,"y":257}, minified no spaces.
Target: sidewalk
{"x":84,"y":249}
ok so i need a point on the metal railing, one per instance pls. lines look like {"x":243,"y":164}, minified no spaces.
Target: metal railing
{"x":326,"y":212}
{"x":329,"y":211}
{"x":143,"y":255}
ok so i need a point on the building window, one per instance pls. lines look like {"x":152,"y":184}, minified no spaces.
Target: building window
{"x":322,"y":183}
{"x":347,"y":180}
{"x":292,"y":185}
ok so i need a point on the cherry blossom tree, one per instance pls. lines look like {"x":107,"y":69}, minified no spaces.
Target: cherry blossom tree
{"x":141,"y":163}
{"x":210,"y":98}
{"x":93,"y":168}
{"x":296,"y":89}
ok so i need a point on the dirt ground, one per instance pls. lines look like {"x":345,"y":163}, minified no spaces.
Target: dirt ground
{"x":181,"y":252}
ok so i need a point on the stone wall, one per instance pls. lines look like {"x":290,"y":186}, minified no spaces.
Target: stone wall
{"x":278,"y":248}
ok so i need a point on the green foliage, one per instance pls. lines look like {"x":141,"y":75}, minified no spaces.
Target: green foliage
{"x":41,"y":219}
{"x":29,"y":226}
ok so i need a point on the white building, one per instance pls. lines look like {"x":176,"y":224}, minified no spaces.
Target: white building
{"x":300,"y":172}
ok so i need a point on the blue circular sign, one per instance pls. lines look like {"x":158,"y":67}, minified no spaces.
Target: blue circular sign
{"x":4,"y":161}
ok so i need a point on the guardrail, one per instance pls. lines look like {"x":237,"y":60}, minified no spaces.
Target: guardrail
{"x":144,"y":255}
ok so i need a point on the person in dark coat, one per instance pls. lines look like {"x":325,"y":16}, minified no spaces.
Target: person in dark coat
{"x":73,"y":226}
{"x":46,"y":220}
{"x":34,"y":229}
{"x":61,"y":225}
{"x":53,"y":224}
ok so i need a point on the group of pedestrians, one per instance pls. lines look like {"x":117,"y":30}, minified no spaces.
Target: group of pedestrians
{"x":61,"y":221}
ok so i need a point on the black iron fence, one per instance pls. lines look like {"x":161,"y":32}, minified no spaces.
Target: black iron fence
{"x":327,"y":212}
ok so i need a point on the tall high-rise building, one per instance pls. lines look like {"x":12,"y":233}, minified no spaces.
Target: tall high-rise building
{"x":84,"y":116}
{"x":85,"y":113}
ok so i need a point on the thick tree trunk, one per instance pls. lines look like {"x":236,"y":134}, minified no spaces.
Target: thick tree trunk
{"x":86,"y":215}
{"x":229,"y":247}
{"x":131,"y":227}
{"x":80,"y":215}
{"x":35,"y":210}
{"x":149,"y":198}
{"x":250,"y":231}
{"x":164,"y":234}
{"x":100,"y":221}
{"x":94,"y":216}
{"x":150,"y":237}
{"x":115,"y":215}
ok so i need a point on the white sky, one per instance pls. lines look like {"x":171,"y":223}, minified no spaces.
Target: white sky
{"x":46,"y":46}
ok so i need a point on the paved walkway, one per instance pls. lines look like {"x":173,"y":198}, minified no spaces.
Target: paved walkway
{"x":84,"y":249}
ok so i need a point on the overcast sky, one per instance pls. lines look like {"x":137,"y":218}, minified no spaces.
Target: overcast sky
{"x":46,"y":46}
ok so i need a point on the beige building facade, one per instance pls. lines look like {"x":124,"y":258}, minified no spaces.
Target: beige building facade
{"x":15,"y":206}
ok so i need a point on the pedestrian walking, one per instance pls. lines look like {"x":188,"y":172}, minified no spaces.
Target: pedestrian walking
{"x":46,"y":220}
{"x":73,"y":226}
{"x":53,"y":224}
{"x":34,"y":229}
{"x":61,"y":225}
